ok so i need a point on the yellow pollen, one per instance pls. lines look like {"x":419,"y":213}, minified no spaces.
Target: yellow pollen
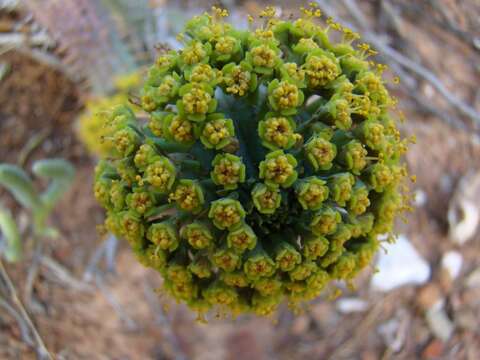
{"x":181,"y":129}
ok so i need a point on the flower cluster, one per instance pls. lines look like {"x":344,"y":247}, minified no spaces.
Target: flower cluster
{"x":267,"y":168}
{"x":96,"y":125}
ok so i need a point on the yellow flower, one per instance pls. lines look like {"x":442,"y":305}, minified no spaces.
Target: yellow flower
{"x":321,"y":70}
{"x":194,"y":53}
{"x":264,"y":56}
{"x":181,"y":129}
{"x":278,"y":169}
{"x":277,"y":132}
{"x":188,"y":195}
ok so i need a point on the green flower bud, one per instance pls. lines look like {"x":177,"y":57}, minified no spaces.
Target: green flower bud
{"x":352,"y":64}
{"x":127,"y":171}
{"x":234,"y":279}
{"x":198,"y":235}
{"x":195,"y":53}
{"x":293,"y":74}
{"x":141,"y":201}
{"x":225,"y":48}
{"x":217,"y":132}
{"x":366,"y":252}
{"x":325,"y":221}
{"x":226,"y":259}
{"x":239,"y":79}
{"x":228,"y":171}
{"x":321,"y":68}
{"x":311,"y":193}
{"x":268,"y":286}
{"x":178,"y":273}
{"x":226,"y":213}
{"x":266,"y":199}
{"x":371,"y":133}
{"x":126,"y":141}
{"x":202,"y":73}
{"x":200,"y":27}
{"x":379,"y":176}
{"x":338,"y":113}
{"x":385,"y":209}
{"x":315,"y":247}
{"x":156,"y":123}
{"x":185,"y":291}
{"x":179,"y":129}
{"x":154,"y":257}
{"x":239,"y":306}
{"x":220,"y":294}
{"x":265,"y":305}
{"x":259,"y":264}
{"x":284,"y":97}
{"x":160,"y":174}
{"x":369,"y":83}
{"x":161,"y":93}
{"x":188,"y":195}
{"x":118,"y":194}
{"x":317,"y":281}
{"x":361,"y":225}
{"x":197,"y":101}
{"x":164,"y":235}
{"x":353,"y":156}
{"x":113,"y":223}
{"x":278,"y":168}
{"x":359,"y":201}
{"x":131,"y":227}
{"x":341,"y":186}
{"x":277,"y":132}
{"x":320,"y":152}
{"x":101,"y":190}
{"x":286,"y":256}
{"x":165,"y":62}
{"x":242,"y":238}
{"x":341,"y":235}
{"x":302,"y":271}
{"x":201,"y":267}
{"x":336,"y":248}
{"x":263,"y":58}
{"x":343,"y":268}
{"x":144,"y":156}
{"x":305,"y":45}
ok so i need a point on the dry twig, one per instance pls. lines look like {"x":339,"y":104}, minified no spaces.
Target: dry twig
{"x":42,"y":351}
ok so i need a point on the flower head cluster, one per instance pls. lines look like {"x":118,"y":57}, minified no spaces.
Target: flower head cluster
{"x":267,"y":168}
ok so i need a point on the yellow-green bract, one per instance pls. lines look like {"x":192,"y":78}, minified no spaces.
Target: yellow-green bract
{"x":267,"y":168}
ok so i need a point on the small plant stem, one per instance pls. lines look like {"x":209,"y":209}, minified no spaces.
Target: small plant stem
{"x":42,"y":349}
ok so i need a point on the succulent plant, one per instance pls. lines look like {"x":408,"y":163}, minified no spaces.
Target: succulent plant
{"x":267,"y":168}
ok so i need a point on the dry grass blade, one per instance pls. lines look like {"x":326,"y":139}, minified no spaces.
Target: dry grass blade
{"x":42,"y":351}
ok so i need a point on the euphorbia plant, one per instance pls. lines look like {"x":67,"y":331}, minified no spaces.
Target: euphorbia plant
{"x":267,"y":168}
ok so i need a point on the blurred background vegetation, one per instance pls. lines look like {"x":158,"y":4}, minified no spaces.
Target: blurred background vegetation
{"x":85,"y":297}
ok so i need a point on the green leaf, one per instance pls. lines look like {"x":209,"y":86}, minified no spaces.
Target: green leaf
{"x":56,"y":169}
{"x":61,"y":172}
{"x":20,"y":185}
{"x":9,"y":229}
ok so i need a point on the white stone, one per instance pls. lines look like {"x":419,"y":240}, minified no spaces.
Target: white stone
{"x":401,"y":265}
{"x":463,"y":219}
{"x":349,"y":305}
{"x":452,"y":262}
{"x":420,"y":198}
{"x":438,"y":321}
